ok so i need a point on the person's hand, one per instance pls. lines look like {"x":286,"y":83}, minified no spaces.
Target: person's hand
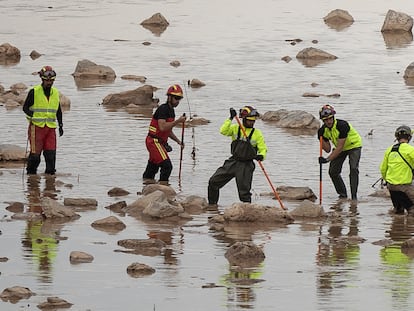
{"x":323,"y":160}
{"x":60,"y":131}
{"x":181,"y":143}
{"x":182,"y":119}
{"x":233,"y":113}
{"x":259,"y":157}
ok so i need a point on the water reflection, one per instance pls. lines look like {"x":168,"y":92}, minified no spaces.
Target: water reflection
{"x":397,"y":275}
{"x":397,"y":40}
{"x":40,"y":238}
{"x":40,"y":244}
{"x":240,"y":287}
{"x":338,"y":252}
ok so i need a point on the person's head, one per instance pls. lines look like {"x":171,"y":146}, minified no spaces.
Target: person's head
{"x":248,"y":115}
{"x":403,"y":132}
{"x":327,"y":115}
{"x":48,"y":76}
{"x":175,"y":94}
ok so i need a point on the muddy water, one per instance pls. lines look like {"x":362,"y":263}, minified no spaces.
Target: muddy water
{"x":235,"y":47}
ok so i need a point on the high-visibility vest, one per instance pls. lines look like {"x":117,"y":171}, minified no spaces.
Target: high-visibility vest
{"x":352,"y":141}
{"x":44,"y":109}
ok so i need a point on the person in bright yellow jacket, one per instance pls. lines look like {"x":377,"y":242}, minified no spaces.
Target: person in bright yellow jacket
{"x":347,"y":143}
{"x":397,"y":169}
{"x":244,"y":150}
{"x":42,"y":109}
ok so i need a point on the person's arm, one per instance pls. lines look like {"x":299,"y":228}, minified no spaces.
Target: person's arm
{"x":59,"y":116}
{"x":261,"y":145}
{"x":343,"y":128}
{"x":166,"y":126}
{"x":326,"y":145}
{"x":28,"y":103}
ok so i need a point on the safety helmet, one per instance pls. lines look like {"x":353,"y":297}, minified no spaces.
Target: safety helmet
{"x":326,"y":112}
{"x":175,"y":90}
{"x":403,"y":131}
{"x":249,"y":113}
{"x":47,"y":73}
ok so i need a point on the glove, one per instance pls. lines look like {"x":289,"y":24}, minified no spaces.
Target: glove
{"x":233,"y":113}
{"x":168,"y":148}
{"x":323,"y":160}
{"x":259,"y":157}
{"x":60,"y":131}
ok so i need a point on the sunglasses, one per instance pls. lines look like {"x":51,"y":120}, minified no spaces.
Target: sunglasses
{"x":177,"y":97}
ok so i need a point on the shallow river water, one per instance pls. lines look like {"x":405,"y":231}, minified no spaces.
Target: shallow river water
{"x":235,"y":47}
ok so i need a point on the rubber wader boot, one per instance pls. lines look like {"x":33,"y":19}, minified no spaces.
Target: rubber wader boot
{"x":32,"y":163}
{"x":50,"y":159}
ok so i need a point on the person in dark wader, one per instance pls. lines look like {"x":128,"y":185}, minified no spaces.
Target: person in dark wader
{"x":397,"y":171}
{"x":244,"y":150}
{"x":347,"y":143}
{"x":160,"y":129}
{"x":42,"y":108}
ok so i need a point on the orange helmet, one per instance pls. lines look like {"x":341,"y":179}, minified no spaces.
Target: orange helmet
{"x":249,"y":113}
{"x":175,"y":90}
{"x":47,"y":73}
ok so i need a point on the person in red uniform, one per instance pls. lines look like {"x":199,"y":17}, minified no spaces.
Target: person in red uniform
{"x":160,"y":129}
{"x":42,"y":108}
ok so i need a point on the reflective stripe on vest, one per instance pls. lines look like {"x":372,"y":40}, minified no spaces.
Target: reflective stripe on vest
{"x":44,"y":110}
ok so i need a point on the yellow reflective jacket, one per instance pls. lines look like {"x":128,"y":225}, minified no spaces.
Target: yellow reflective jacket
{"x":44,"y":109}
{"x":394,"y":169}
{"x":257,"y":139}
{"x":353,"y":139}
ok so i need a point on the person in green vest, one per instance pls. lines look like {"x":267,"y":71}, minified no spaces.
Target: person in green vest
{"x":397,"y":171}
{"x":347,"y":143}
{"x":42,"y":109}
{"x":244,"y":150}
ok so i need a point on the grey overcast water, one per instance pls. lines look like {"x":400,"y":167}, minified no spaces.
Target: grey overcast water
{"x":235,"y":47}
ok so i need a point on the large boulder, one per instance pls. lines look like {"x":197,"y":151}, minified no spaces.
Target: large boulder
{"x":295,"y":119}
{"x":88,"y":74}
{"x":10,"y":152}
{"x":338,"y":19}
{"x":9,"y":54}
{"x":142,"y":97}
{"x":311,"y":57}
{"x":157,"y":24}
{"x":397,"y":22}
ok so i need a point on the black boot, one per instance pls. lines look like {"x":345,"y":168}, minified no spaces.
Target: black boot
{"x":32,"y":163}
{"x":150,"y":171}
{"x":50,"y":159}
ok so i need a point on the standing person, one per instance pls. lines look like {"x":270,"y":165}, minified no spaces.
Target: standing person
{"x":240,"y":165}
{"x":42,"y":108}
{"x":160,"y":129}
{"x":397,"y":170}
{"x":347,"y":142}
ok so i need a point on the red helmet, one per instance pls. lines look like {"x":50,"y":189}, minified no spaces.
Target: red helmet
{"x":47,"y":73}
{"x":326,"y":112}
{"x":175,"y":90}
{"x":249,"y":113}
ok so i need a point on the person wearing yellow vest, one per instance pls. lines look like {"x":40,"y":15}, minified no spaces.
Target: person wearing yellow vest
{"x":42,"y":109}
{"x":244,"y":150}
{"x":397,"y":171}
{"x":347,"y":143}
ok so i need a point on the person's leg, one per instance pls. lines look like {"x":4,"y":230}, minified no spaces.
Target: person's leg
{"x":157,"y":155}
{"x":220,"y":178}
{"x":354,"y":157}
{"x":36,"y":136}
{"x":50,"y":160}
{"x":400,"y":202}
{"x":150,"y":171}
{"x":244,"y":177}
{"x":335,"y":169}
{"x":165,"y":172}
